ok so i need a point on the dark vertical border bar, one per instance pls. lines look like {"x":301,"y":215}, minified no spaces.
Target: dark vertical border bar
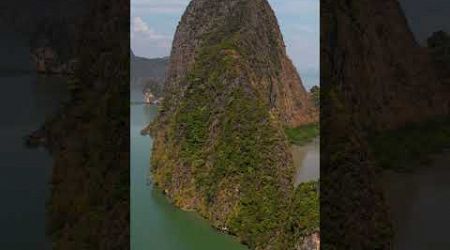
{"x":384,"y":125}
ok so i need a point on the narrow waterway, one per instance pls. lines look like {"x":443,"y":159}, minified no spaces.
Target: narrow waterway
{"x":307,"y":161}
{"x":155,"y":223}
{"x":420,"y":204}
{"x":26,"y":100}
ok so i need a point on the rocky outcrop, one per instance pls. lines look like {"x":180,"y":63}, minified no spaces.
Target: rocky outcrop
{"x":311,"y":242}
{"x":219,"y":143}
{"x":53,"y":40}
{"x":46,"y":61}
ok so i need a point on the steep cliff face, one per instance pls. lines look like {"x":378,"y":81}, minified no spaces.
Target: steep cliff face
{"x":219,"y":144}
{"x":253,"y":29}
{"x":386,"y":77}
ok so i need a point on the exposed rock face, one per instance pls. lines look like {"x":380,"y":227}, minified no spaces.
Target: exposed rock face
{"x":255,"y":30}
{"x":46,"y":61}
{"x":311,"y":242}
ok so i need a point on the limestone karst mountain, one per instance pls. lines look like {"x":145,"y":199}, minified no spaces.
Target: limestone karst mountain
{"x":219,"y":142}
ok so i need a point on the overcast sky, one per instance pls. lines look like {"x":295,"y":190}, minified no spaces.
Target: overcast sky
{"x":153,"y":24}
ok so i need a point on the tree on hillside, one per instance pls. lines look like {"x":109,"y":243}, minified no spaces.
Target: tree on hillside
{"x":315,"y":93}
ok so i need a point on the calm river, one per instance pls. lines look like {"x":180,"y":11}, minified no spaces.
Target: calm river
{"x":307,"y":161}
{"x":420,"y":204}
{"x":26,"y":101}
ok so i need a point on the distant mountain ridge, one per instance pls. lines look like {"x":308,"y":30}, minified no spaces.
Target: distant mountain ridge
{"x":148,"y":73}
{"x":142,"y":67}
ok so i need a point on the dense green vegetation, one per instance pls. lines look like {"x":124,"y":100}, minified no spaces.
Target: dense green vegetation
{"x":404,"y":148}
{"x":234,"y":151}
{"x":304,"y":213}
{"x":155,"y":87}
{"x":216,"y":120}
{"x":315,"y":94}
{"x":302,"y":134}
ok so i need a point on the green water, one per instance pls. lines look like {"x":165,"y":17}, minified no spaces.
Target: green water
{"x":26,"y":101}
{"x":307,"y":161}
{"x":155,"y":223}
{"x":419,"y":205}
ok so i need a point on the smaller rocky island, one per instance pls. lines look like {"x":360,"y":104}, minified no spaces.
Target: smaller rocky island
{"x":150,"y":98}
{"x":46,"y":61}
{"x":52,"y":44}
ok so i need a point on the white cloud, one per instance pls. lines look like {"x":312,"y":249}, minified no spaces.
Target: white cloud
{"x":145,"y":39}
{"x":141,"y":28}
